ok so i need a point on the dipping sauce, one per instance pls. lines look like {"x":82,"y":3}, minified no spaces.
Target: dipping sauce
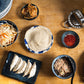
{"x":69,"y":40}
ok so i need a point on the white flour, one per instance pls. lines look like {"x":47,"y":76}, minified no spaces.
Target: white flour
{"x":38,"y":38}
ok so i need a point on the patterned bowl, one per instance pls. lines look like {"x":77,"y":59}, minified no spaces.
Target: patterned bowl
{"x":40,"y":52}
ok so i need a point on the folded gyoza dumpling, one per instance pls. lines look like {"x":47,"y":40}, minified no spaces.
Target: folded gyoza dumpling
{"x":28,"y":68}
{"x":18,"y":65}
{"x":32,"y":71}
{"x":22,"y":68}
{"x":14,"y":62}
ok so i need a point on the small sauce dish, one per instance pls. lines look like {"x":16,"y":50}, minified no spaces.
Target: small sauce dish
{"x":70,"y":39}
{"x":30,"y":11}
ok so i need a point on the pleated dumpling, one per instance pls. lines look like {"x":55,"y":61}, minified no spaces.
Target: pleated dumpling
{"x":28,"y":68}
{"x":17,"y":66}
{"x":14,"y":62}
{"x":22,"y":68}
{"x":32,"y":71}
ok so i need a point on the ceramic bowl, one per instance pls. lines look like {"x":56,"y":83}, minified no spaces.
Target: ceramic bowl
{"x":5,"y":6}
{"x":70,"y":33}
{"x":72,"y":63}
{"x":11,"y":23}
{"x":30,"y":18}
{"x":40,"y":52}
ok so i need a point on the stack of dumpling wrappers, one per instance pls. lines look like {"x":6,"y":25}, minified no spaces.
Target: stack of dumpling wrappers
{"x":5,"y":6}
{"x":20,"y":66}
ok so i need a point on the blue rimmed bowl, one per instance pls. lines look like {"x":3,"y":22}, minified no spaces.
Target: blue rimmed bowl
{"x":72,"y":62}
{"x":14,"y":26}
{"x":40,"y":52}
{"x":70,"y":33}
{"x":26,"y":7}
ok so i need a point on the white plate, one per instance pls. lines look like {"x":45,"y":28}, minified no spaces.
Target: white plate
{"x":6,"y":7}
{"x":5,"y":12}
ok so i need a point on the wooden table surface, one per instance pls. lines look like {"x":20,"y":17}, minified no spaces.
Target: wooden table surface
{"x":52,"y":14}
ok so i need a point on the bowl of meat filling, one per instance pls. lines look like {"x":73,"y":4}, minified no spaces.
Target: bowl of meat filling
{"x":8,"y":33}
{"x":63,"y":66}
{"x":30,"y":11}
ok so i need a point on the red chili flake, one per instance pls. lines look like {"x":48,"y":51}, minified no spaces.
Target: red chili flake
{"x":70,"y":40}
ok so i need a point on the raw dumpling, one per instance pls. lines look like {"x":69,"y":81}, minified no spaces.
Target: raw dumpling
{"x":18,"y":65}
{"x":28,"y":68}
{"x":22,"y":68}
{"x":33,"y":70}
{"x":14,"y":62}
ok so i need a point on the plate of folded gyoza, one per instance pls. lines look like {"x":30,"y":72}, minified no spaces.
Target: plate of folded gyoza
{"x":21,"y":67}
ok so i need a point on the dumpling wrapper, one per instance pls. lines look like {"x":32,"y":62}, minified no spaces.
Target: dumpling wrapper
{"x":14,"y":62}
{"x":33,"y":70}
{"x":28,"y":68}
{"x":18,"y":65}
{"x":22,"y":68}
{"x":38,"y":38}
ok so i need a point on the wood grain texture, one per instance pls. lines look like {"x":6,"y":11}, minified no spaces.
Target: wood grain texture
{"x":52,"y":14}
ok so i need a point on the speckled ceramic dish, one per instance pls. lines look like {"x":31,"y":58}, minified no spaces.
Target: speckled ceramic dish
{"x":70,"y":33}
{"x":70,"y":60}
{"x":31,"y":18}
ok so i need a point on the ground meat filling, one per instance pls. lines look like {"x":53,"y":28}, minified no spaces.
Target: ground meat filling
{"x":63,"y":67}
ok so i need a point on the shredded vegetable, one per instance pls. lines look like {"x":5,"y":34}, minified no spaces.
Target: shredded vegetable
{"x":7,"y":34}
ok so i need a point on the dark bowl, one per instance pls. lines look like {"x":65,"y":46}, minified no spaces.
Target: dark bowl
{"x":11,"y":23}
{"x":72,"y":33}
{"x":73,"y":64}
{"x":30,"y":18}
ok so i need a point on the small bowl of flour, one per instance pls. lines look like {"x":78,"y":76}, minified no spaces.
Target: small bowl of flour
{"x":38,"y":39}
